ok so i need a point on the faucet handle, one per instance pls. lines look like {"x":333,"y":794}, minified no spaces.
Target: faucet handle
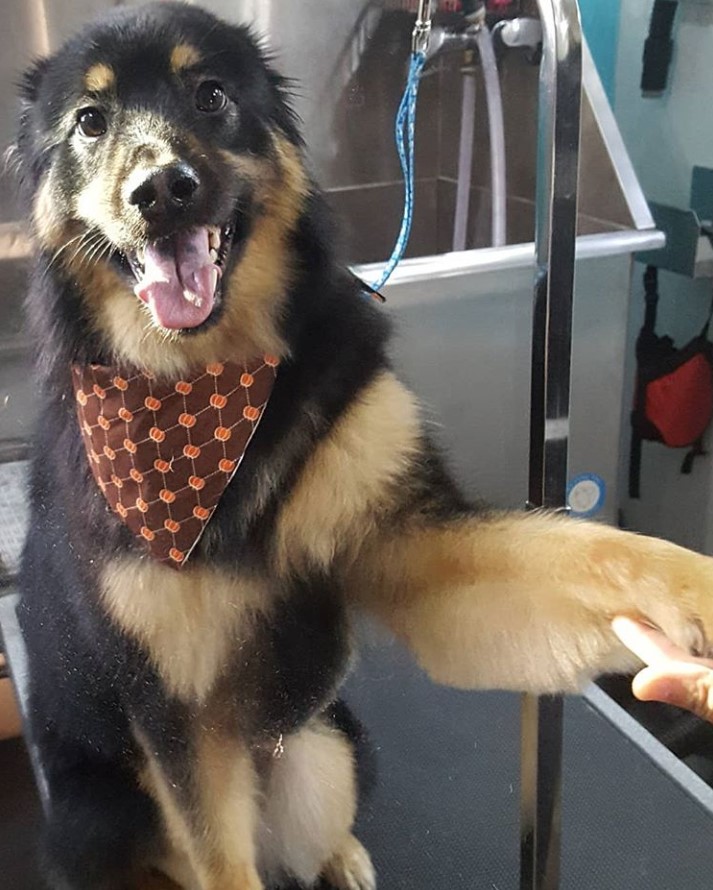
{"x":521,"y":32}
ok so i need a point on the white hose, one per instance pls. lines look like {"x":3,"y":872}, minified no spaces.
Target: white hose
{"x":497,"y":136}
{"x":465,"y":161}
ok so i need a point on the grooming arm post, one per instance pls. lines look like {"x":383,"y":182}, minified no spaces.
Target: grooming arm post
{"x":556,"y":225}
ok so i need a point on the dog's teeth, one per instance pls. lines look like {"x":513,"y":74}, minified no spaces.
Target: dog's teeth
{"x":214,"y":238}
{"x":214,"y":276}
{"x":214,"y":255}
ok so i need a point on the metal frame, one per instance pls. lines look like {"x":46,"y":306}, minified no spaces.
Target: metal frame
{"x":14,"y":646}
{"x":556,"y":232}
{"x":614,"y":142}
{"x":674,"y":769}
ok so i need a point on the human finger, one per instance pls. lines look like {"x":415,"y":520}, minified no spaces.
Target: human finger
{"x":687,"y":686}
{"x":650,"y":644}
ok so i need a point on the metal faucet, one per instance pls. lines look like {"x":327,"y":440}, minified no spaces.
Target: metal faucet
{"x":446,"y":39}
{"x":519,"y":33}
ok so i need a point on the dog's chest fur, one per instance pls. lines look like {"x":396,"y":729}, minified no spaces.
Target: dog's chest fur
{"x":258,"y":656}
{"x":190,"y":624}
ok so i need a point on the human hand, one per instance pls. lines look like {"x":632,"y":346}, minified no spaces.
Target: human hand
{"x":673,"y":676}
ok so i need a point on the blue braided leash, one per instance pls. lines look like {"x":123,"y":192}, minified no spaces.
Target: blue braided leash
{"x":405,"y":140}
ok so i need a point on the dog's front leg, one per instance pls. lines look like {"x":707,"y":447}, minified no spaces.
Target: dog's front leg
{"x":208,"y":806}
{"x":508,"y":601}
{"x":524,"y":602}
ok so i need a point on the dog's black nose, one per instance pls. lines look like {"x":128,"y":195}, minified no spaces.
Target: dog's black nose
{"x":165,"y":190}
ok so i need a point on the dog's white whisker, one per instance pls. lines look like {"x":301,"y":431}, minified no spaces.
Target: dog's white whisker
{"x":60,"y":250}
{"x":82,"y":246}
{"x":96,"y":250}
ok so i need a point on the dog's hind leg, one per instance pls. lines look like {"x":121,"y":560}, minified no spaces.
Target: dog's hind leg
{"x":310,"y":805}
{"x":102,"y":830}
{"x":350,"y":868}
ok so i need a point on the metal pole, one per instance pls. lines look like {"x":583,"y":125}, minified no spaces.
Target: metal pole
{"x":556,"y":225}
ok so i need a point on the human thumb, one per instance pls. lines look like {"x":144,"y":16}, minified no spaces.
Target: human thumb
{"x":688,"y":686}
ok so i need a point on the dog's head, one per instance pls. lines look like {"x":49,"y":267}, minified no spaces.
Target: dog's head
{"x":166,"y":178}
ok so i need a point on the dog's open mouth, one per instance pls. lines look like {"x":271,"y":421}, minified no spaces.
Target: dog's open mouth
{"x":179,"y":277}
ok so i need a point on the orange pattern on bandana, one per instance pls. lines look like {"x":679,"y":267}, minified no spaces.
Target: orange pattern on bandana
{"x":163,"y":453}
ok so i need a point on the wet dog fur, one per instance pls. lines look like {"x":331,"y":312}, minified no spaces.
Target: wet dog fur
{"x":189,"y":722}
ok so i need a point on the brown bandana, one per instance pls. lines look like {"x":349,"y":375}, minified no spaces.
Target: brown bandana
{"x":163,"y":453}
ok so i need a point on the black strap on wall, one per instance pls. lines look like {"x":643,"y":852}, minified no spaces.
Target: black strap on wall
{"x":651,"y":296}
{"x":658,"y":49}
{"x":635,"y":465}
{"x":644,"y":341}
{"x":698,"y":450}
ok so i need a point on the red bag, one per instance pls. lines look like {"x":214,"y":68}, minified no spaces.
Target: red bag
{"x":673,"y":402}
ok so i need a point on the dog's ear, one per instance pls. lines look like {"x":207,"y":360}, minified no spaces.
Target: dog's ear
{"x":280,"y":90}
{"x":30,"y":81}
{"x":22,"y":157}
{"x":284,"y":90}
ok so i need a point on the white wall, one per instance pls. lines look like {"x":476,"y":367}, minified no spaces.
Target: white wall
{"x":666,"y":138}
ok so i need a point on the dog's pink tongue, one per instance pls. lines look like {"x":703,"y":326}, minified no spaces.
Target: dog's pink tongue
{"x":179,"y":280}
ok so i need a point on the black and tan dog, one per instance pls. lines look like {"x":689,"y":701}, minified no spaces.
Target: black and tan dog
{"x":187,"y":719}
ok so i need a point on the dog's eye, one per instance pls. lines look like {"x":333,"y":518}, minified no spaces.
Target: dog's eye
{"x":210,"y":97}
{"x":91,"y":122}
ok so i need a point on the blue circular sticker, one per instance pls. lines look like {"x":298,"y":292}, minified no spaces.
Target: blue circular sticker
{"x":586,"y":495}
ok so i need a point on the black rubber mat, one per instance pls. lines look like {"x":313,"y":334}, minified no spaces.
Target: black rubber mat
{"x":445,"y":812}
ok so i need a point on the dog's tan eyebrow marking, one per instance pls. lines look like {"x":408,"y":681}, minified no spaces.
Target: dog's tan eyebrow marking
{"x":183,"y":55}
{"x":99,"y":78}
